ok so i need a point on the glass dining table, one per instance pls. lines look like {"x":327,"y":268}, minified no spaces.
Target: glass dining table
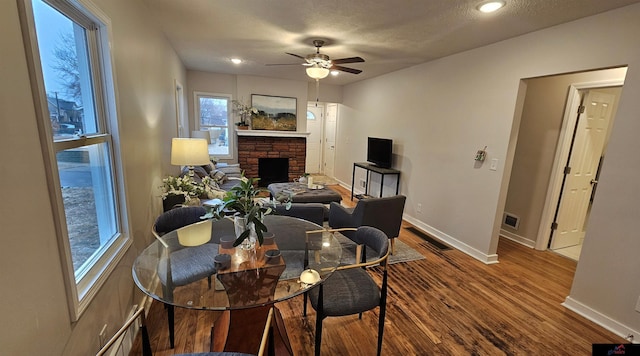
{"x":243,"y":284}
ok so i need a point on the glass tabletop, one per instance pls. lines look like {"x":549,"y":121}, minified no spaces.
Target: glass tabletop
{"x":180,"y":268}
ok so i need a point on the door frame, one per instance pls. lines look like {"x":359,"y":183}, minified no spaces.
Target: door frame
{"x":562,"y":154}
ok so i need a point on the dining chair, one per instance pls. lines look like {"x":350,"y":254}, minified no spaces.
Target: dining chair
{"x":180,"y":264}
{"x":383,"y":213}
{"x":350,"y":289}
{"x":314,"y":212}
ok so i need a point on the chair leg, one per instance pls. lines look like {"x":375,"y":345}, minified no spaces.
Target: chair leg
{"x":383,"y":308}
{"x":304,"y":306}
{"x":170,"y":317}
{"x":319,"y":317}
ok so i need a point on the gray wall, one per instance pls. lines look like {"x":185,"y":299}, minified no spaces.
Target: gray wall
{"x":35,"y":316}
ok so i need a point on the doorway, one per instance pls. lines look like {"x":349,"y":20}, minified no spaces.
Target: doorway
{"x":315,"y":126}
{"x":542,"y":147}
{"x":586,"y":151}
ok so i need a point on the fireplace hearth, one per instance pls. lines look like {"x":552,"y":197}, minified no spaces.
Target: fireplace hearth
{"x":253,"y":148}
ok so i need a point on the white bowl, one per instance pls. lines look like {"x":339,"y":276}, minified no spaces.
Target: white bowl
{"x":309,"y":276}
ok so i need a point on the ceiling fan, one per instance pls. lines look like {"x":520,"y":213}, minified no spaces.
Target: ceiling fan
{"x":321,"y":60}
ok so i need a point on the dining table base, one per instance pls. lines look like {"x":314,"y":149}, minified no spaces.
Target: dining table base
{"x":241,"y":330}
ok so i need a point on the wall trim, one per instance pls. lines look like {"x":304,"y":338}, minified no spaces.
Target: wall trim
{"x":517,"y":238}
{"x":604,"y":321}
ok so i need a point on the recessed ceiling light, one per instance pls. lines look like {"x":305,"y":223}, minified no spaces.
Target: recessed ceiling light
{"x":236,"y":60}
{"x":491,"y":6}
{"x":335,"y":72}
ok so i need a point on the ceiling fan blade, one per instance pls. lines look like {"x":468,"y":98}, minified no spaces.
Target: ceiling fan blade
{"x":295,"y":55}
{"x":347,"y":60}
{"x":345,"y":69}
{"x":284,"y":64}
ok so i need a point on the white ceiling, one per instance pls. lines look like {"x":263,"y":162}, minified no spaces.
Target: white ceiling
{"x":388,"y":34}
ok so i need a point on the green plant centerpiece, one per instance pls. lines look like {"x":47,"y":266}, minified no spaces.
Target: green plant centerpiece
{"x":248,"y":210}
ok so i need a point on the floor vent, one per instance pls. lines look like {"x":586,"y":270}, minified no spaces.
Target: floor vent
{"x":428,"y":238}
{"x":511,"y":220}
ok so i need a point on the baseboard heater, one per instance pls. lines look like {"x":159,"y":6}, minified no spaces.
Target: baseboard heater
{"x":439,"y":245}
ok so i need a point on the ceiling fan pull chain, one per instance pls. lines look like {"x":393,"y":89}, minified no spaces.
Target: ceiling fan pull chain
{"x":317,"y":90}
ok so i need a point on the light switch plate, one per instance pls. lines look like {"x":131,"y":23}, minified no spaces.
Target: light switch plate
{"x":494,"y":164}
{"x":638,"y":305}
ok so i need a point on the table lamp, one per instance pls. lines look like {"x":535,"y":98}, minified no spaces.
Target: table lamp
{"x":189,"y":152}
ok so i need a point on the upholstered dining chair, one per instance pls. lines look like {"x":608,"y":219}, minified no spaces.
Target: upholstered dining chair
{"x":350,"y":289}
{"x":182,"y":264}
{"x":383,"y":213}
{"x":314,"y":212}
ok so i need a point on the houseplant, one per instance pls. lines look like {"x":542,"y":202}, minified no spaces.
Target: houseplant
{"x":248,"y":211}
{"x":187,"y":188}
{"x":244,"y":112}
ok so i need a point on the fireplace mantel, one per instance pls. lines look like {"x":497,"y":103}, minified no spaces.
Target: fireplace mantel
{"x":268,"y":133}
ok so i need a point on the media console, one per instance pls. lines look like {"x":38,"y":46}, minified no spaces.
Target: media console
{"x":373,"y":168}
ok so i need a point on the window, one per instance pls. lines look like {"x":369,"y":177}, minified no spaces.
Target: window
{"x":76,"y":103}
{"x":213,"y":114}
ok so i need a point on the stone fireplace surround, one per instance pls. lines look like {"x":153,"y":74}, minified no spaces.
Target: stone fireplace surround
{"x":256,"y":144}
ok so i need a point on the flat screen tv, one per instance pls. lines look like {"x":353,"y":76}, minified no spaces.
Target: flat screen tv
{"x":379,"y":151}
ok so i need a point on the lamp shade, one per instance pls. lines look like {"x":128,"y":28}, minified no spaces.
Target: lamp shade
{"x":189,"y":152}
{"x":317,"y":72}
{"x":205,"y":134}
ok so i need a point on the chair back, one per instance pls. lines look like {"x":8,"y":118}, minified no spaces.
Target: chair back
{"x":384,"y":213}
{"x":313,"y":212}
{"x":374,"y":239}
{"x":177,"y":218}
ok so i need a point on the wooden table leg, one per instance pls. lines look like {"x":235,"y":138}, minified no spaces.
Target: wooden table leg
{"x":240,"y":330}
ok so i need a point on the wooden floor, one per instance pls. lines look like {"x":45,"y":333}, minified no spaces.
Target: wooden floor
{"x":446,"y":304}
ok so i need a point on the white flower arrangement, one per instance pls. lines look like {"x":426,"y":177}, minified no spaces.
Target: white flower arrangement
{"x":188,"y":187}
{"x":244,"y":111}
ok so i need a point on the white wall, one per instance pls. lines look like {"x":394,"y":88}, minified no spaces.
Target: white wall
{"x":439,"y":113}
{"x":35,"y":316}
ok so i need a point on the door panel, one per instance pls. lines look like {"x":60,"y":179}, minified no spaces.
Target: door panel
{"x":314,"y":140}
{"x":588,"y":147}
{"x":330,"y":139}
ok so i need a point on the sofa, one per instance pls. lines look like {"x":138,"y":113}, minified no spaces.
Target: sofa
{"x":224,"y":176}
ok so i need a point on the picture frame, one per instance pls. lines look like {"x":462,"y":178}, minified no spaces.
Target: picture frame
{"x":276,"y":113}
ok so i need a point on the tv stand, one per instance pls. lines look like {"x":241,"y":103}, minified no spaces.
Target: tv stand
{"x":373,"y":168}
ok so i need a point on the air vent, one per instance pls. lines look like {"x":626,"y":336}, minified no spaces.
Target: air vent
{"x":511,"y":220}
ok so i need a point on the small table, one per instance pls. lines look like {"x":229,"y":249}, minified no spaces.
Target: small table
{"x":372,"y":168}
{"x":251,"y":285}
{"x":301,"y":193}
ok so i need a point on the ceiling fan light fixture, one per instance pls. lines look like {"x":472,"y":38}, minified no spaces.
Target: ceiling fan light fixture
{"x":317,"y":72}
{"x":490,"y":6}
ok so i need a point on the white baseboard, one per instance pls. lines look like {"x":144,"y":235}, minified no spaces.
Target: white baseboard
{"x":453,"y":242}
{"x":517,"y":238}
{"x":612,"y":325}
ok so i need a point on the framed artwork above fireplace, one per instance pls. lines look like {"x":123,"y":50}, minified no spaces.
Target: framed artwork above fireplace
{"x":277,"y":113}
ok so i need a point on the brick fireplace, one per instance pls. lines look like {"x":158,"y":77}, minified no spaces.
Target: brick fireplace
{"x":253,"y":145}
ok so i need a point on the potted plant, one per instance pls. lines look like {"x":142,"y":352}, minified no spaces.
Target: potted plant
{"x":248,"y":211}
{"x":184,"y":190}
{"x":244,"y":112}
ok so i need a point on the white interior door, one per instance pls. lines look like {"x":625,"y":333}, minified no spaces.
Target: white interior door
{"x":330,"y":139}
{"x":587,"y":148}
{"x":315,"y":122}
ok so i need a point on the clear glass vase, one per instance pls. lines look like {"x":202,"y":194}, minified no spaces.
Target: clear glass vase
{"x":240,"y":225}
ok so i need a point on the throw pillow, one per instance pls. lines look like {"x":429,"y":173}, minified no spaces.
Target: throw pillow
{"x":219,"y":176}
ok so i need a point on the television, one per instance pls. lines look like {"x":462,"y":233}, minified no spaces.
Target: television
{"x":379,"y":151}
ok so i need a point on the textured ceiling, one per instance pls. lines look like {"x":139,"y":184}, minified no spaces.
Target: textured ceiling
{"x":388,"y":34}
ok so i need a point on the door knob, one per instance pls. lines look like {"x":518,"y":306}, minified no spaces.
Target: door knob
{"x":593,"y":181}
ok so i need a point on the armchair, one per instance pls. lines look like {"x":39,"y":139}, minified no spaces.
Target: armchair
{"x":382,"y":213}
